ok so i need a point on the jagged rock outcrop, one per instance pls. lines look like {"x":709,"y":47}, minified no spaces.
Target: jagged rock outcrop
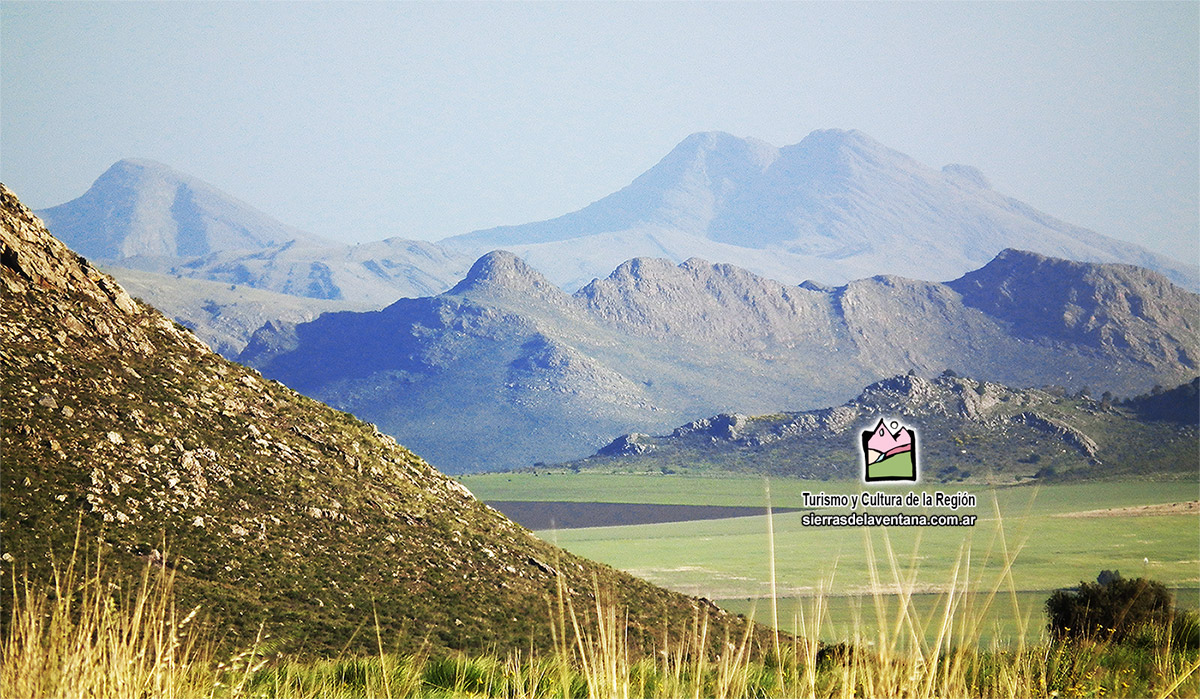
{"x":719,"y":427}
{"x":627,"y":445}
{"x":1070,"y":435}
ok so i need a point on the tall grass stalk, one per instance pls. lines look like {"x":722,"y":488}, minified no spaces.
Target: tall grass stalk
{"x":83,"y":635}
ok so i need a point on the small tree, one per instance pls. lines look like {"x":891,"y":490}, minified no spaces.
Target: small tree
{"x":1111,"y":609}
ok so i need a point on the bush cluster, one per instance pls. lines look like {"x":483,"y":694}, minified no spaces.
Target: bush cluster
{"x":1112,"y":608}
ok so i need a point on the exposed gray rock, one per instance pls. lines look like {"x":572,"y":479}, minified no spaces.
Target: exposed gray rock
{"x":537,"y":375}
{"x":627,"y":445}
{"x":1070,"y":435}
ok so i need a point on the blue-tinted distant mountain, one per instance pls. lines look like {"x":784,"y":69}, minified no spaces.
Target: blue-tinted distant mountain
{"x":836,"y":206}
{"x":375,"y":273}
{"x":141,"y":208}
{"x":506,"y":369}
{"x":146,"y":217}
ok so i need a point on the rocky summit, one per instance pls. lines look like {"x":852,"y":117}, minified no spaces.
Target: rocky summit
{"x":119,"y":426}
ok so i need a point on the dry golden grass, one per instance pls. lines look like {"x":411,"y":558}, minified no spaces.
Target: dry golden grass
{"x":83,"y":635}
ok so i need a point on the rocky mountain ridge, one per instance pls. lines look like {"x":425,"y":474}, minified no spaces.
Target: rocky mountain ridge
{"x":274,"y":509}
{"x":524,"y":372}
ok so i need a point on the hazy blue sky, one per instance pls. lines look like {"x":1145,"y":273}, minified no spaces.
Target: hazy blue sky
{"x":361,"y":121}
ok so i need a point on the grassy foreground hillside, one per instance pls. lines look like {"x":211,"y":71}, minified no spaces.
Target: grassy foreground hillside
{"x":279,"y":517}
{"x":71,"y":641}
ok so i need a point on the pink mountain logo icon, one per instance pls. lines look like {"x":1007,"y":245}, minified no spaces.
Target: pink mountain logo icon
{"x":890,"y":452}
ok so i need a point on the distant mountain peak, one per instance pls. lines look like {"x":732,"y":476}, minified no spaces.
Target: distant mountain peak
{"x":718,"y":154}
{"x":838,"y":206}
{"x":144,"y":164}
{"x":1107,"y":305}
{"x":143,"y":208}
{"x":642,"y":268}
{"x":501,"y":270}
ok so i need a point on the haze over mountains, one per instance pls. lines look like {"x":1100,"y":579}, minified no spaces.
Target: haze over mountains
{"x":835,"y":207}
{"x":140,"y":208}
{"x":505,"y":369}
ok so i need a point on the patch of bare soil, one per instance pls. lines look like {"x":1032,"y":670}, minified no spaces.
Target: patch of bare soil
{"x":1169,"y":508}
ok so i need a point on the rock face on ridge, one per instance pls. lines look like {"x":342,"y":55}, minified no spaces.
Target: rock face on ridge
{"x":1111,"y":307}
{"x":275,"y":509}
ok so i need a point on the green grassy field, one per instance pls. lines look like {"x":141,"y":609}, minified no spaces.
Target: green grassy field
{"x":728,"y":560}
{"x":740,"y":490}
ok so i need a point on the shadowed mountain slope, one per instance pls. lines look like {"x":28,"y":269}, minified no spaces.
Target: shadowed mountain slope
{"x":274,"y":509}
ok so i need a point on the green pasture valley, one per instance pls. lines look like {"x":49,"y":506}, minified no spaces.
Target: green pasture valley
{"x":1037,"y":528}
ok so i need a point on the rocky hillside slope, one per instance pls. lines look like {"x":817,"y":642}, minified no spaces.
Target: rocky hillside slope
{"x":270,"y":507}
{"x":835,"y":207}
{"x":506,"y":369}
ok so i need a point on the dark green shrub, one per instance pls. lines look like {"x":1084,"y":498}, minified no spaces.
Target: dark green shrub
{"x":1111,"y":610}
